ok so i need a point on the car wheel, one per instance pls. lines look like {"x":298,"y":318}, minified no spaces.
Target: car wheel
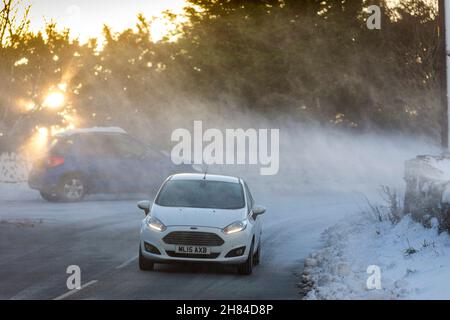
{"x":144,"y":264}
{"x":71,"y":188}
{"x":247,"y":267}
{"x":50,"y":197}
{"x":257,"y":257}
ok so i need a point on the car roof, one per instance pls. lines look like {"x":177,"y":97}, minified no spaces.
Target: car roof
{"x":90,"y":130}
{"x":202,"y":176}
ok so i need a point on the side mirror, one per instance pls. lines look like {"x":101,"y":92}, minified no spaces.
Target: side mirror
{"x":258,"y":210}
{"x":144,"y":205}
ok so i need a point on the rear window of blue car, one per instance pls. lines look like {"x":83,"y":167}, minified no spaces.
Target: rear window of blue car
{"x":201,"y":194}
{"x":60,"y":146}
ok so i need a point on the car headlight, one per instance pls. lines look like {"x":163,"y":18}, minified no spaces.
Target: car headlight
{"x":155,"y":224}
{"x":237,"y":226}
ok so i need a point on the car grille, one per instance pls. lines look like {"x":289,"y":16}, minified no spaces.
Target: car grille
{"x":174,"y":254}
{"x":195,"y":238}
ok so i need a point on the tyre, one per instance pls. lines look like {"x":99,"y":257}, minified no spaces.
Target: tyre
{"x":257,"y":257}
{"x":71,"y":188}
{"x":50,"y":197}
{"x":144,"y":264}
{"x":246,"y":268}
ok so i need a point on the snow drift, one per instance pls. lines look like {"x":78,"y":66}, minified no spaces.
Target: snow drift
{"x":414,"y":261}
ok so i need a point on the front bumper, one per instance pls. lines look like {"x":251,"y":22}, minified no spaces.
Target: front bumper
{"x":218,"y":252}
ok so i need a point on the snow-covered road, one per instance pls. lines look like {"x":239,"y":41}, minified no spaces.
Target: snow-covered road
{"x":39,"y":240}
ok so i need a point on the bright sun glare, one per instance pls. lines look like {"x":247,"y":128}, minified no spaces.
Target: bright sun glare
{"x":54,"y":100}
{"x":85,"y":21}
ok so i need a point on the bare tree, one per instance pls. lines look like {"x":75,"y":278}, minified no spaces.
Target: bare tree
{"x":13,"y":24}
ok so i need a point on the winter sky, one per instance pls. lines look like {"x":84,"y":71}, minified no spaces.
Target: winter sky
{"x":86,"y":18}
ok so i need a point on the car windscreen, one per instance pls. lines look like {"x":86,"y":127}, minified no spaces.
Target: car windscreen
{"x":201,"y":194}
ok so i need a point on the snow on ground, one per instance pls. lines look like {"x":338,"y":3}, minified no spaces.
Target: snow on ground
{"x":414,"y":261}
{"x":13,"y":167}
{"x":16,"y":192}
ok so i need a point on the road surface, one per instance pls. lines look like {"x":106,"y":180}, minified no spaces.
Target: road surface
{"x":39,"y":240}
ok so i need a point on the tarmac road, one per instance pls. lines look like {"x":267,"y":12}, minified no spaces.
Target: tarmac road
{"x":39,"y":240}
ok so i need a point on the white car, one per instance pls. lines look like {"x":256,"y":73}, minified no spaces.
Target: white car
{"x":201,"y":218}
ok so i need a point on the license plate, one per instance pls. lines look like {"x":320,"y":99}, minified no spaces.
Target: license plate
{"x":192,"y":250}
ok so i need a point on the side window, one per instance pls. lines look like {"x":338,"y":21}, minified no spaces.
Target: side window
{"x":128,"y":147}
{"x":95,"y":145}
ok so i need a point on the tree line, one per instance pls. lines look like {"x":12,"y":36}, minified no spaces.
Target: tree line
{"x":309,"y":61}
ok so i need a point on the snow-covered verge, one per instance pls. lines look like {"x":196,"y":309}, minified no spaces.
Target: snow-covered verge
{"x":414,"y":261}
{"x":13,"y":167}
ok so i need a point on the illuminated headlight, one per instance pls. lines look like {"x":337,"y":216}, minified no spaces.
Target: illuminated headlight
{"x":237,"y":226}
{"x":155,"y":224}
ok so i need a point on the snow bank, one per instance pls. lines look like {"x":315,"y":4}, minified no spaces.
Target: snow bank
{"x":414,"y":261}
{"x":13,"y":168}
{"x":431,"y":167}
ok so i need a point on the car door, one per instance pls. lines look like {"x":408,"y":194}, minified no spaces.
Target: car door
{"x":142,"y":168}
{"x":96,"y":158}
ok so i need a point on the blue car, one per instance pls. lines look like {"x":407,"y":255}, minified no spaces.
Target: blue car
{"x":99,"y":160}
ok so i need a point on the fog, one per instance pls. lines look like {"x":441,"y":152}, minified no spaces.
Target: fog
{"x":313,"y":158}
{"x":317,"y":159}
